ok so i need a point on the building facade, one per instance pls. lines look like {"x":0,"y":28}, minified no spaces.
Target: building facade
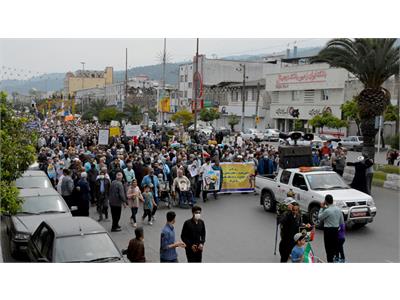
{"x":81,"y":80}
{"x":305,"y":90}
{"x":213,"y":72}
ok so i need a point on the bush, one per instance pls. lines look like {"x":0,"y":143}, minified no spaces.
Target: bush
{"x":388,"y":169}
{"x":10,"y":202}
{"x":394,"y":142}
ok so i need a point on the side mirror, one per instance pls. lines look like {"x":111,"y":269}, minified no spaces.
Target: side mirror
{"x":74,"y":208}
{"x":303,"y":187}
{"x":43,"y":259}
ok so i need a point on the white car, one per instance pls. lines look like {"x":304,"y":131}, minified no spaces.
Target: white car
{"x":354,"y":143}
{"x":251,"y":133}
{"x":271,"y":135}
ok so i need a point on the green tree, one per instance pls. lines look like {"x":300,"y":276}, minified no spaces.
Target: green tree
{"x":391,"y":113}
{"x":232,"y":121}
{"x":209,"y":114}
{"x":328,"y":120}
{"x":134,"y":113}
{"x":95,"y":107}
{"x":298,"y":125}
{"x":351,"y":112}
{"x":183,"y":117}
{"x":153,"y":114}
{"x":108,"y":114}
{"x":372,"y":61}
{"x":17,"y":152}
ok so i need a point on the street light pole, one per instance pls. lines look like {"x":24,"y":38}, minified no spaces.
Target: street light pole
{"x":196,"y":86}
{"x":83,"y":78}
{"x":243,"y":67}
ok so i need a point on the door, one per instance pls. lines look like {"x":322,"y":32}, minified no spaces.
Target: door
{"x":283,"y":187}
{"x":43,"y":244}
{"x":301,"y":194}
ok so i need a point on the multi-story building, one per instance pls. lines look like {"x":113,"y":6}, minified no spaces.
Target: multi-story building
{"x":81,"y":80}
{"x":214,"y":72}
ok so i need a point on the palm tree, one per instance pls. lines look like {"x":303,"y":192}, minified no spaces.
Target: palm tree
{"x":134,"y":113}
{"x":372,"y":61}
{"x":95,"y":107}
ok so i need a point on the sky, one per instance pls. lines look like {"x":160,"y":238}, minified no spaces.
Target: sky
{"x":32,"y":56}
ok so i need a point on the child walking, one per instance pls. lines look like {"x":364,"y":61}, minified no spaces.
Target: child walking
{"x":134,"y":196}
{"x":341,"y":239}
{"x":148,"y":203}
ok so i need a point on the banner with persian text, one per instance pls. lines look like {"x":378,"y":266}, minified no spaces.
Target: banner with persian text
{"x":237,"y":177}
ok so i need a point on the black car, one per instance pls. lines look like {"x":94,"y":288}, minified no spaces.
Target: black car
{"x":38,"y":205}
{"x":75,"y":239}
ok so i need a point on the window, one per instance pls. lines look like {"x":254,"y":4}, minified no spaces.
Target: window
{"x":181,"y":94}
{"x":189,"y":85}
{"x":309,"y":96}
{"x":298,"y":180}
{"x":185,"y":94}
{"x":285,"y":177}
{"x":254,"y":94}
{"x":182,"y":78}
{"x":324,"y":95}
{"x":295,"y":95}
{"x":275,"y":97}
{"x":186,"y":78}
{"x":235,"y":96}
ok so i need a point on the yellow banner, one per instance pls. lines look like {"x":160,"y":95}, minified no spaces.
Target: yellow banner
{"x":115,"y":131}
{"x":165,"y":104}
{"x":237,"y":177}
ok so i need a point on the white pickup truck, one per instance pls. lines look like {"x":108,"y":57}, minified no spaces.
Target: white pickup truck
{"x":311,"y":185}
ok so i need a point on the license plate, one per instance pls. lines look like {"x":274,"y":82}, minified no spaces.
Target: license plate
{"x":359,"y":214}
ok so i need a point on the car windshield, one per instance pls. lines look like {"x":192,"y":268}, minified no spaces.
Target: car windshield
{"x":43,"y":204}
{"x":360,"y":138}
{"x":85,"y":248}
{"x":327,"y":181}
{"x":32,"y":182}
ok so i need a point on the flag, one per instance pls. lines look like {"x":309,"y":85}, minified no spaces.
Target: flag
{"x":309,"y":254}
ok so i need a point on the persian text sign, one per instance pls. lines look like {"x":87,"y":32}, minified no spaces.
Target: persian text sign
{"x":307,"y":77}
{"x":103,"y":136}
{"x":237,"y":177}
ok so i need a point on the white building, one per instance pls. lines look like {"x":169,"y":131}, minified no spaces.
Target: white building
{"x":312,"y":89}
{"x":213,"y":72}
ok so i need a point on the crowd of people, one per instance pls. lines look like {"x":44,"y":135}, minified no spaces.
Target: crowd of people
{"x":155,"y":168}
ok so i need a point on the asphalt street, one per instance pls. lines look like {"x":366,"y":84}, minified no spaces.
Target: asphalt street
{"x":239,"y":230}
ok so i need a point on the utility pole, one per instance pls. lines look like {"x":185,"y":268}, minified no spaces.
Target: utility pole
{"x":83,"y":78}
{"x":257,"y":102}
{"x":196,"y":86}
{"x":126,"y":77}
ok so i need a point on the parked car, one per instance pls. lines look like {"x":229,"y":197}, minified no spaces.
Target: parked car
{"x":33,"y":179}
{"x":225,"y":131}
{"x":271,"y":135}
{"x":39,"y":204}
{"x":79,"y":239}
{"x":251,"y":133}
{"x":311,"y":185}
{"x":354,"y":143}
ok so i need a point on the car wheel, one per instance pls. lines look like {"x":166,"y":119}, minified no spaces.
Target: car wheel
{"x":268,"y":201}
{"x":313,"y":216}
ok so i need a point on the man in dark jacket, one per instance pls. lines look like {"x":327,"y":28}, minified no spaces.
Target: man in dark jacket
{"x":102,"y":192}
{"x":135,"y":252}
{"x":92,"y":176}
{"x":290,"y":225}
{"x":117,"y":199}
{"x":194,"y":236}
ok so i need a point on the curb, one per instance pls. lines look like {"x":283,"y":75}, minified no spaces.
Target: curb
{"x":391,"y":181}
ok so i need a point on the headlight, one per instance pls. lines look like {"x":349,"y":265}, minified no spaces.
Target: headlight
{"x":370,"y":202}
{"x":21,"y":236}
{"x":340,"y":203}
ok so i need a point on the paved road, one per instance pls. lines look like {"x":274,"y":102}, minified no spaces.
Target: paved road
{"x":238,"y":230}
